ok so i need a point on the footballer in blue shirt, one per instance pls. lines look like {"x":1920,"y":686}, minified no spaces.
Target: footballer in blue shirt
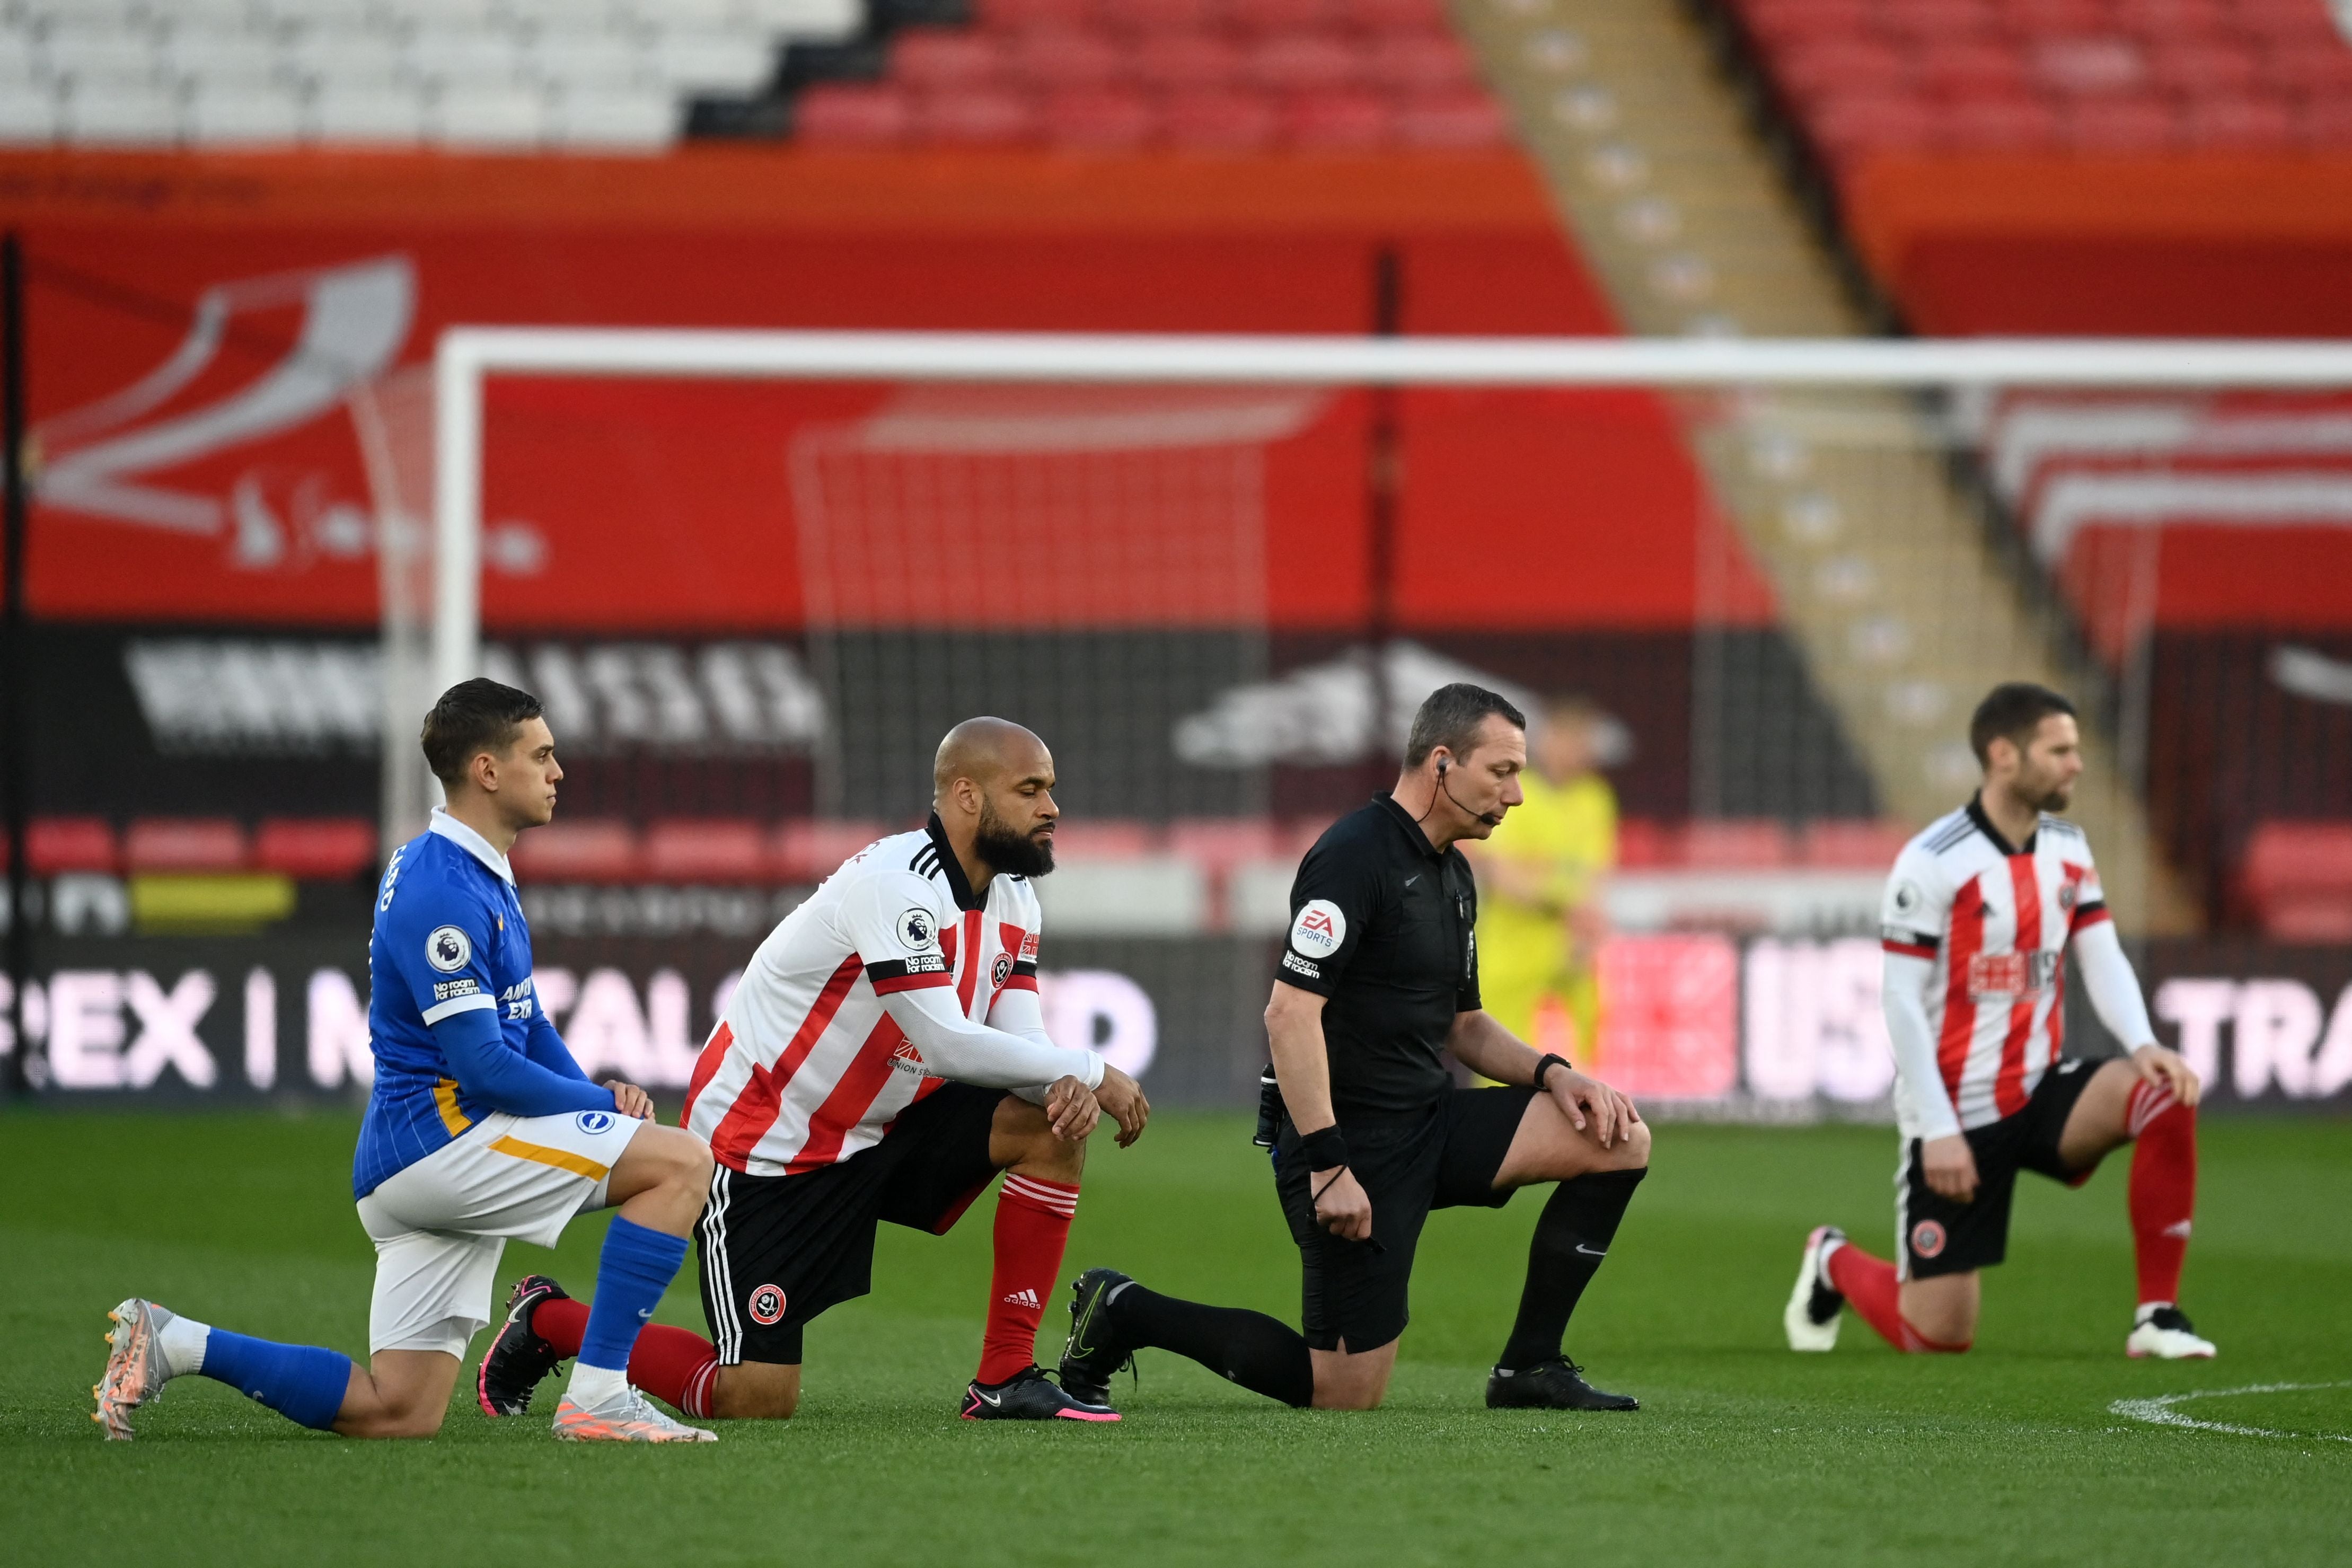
{"x":480,"y":1127}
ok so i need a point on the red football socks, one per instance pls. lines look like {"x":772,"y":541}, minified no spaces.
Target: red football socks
{"x":2163,"y":1187}
{"x":1033,"y":1226}
{"x":1871,"y":1288}
{"x":678,"y":1366}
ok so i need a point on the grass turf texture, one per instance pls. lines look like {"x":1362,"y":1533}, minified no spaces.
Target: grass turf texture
{"x":1744,"y":1453}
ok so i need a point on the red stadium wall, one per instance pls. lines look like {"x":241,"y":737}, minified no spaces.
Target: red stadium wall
{"x":669,"y":505}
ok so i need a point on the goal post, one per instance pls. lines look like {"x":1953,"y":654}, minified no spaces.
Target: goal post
{"x":1824,"y":452}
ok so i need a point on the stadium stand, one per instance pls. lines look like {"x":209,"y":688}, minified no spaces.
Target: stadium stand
{"x":2297,"y":881}
{"x":186,"y":843}
{"x":461,"y":73}
{"x":1236,"y":74}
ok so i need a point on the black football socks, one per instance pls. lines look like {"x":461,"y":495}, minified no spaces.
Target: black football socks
{"x":1261,"y":1354}
{"x":1572,"y":1236}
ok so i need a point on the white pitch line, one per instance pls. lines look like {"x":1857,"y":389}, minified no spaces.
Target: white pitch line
{"x":2159,"y":1411}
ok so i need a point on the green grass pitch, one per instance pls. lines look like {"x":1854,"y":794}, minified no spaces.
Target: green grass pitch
{"x":1743,"y":1453}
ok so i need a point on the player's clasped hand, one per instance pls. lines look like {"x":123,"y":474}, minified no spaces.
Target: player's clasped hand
{"x":631,"y":1101}
{"x":1951,"y":1167}
{"x":2167,"y":1069}
{"x":1123,"y":1098}
{"x":1072,"y":1108}
{"x":1611,"y":1114}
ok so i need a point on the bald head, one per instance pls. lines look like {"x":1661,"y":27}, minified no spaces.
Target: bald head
{"x":988,"y":751}
{"x":992,"y":787}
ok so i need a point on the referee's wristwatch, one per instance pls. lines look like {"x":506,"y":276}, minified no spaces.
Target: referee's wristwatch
{"x":1544,"y":1064}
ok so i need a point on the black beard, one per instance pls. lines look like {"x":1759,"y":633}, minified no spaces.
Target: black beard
{"x":1006,"y":850}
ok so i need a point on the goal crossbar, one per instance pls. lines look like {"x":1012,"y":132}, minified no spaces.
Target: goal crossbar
{"x":466,"y":356}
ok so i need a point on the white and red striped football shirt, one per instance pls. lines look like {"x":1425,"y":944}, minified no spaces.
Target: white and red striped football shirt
{"x":807,"y":1067}
{"x":1992,"y":921}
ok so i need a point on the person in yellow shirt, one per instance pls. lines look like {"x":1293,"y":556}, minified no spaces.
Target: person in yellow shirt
{"x":1541,"y":875}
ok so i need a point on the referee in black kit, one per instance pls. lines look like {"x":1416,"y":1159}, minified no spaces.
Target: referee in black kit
{"x":1378,"y":978}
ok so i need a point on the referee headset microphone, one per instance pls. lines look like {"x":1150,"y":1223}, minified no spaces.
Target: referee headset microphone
{"x":1491,"y":818}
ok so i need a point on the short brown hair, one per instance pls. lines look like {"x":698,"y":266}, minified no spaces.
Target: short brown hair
{"x":2011,"y":711}
{"x":1451,"y":717}
{"x":473,"y":716}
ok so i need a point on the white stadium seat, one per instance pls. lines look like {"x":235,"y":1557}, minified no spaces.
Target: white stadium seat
{"x":223,"y":56}
{"x":471,"y":55}
{"x":730,"y":61}
{"x":122,"y":115}
{"x":383,"y":113}
{"x":243,"y":113}
{"x":643,"y":119}
{"x":581,"y":58}
{"x":325,"y":53}
{"x":29,"y":118}
{"x":510,"y":117}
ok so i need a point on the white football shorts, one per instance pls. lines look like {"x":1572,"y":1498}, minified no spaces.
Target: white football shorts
{"x":440,"y":1226}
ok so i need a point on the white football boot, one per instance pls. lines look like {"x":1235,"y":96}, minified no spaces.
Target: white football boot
{"x":2166,"y":1333}
{"x":1815,"y":1308}
{"x":634,"y":1420}
{"x":136,"y":1369}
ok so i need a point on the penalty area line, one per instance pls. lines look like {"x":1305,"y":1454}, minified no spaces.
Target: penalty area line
{"x":2159,"y":1411}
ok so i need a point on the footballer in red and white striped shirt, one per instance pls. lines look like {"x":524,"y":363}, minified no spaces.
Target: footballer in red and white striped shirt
{"x":882,"y":1059}
{"x":1979,"y":914}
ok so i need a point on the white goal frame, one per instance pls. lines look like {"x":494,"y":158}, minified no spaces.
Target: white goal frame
{"x":465,"y":357}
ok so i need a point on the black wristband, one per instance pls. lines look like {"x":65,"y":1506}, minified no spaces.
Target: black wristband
{"x":1543,"y":1066}
{"x":1323,"y":1150}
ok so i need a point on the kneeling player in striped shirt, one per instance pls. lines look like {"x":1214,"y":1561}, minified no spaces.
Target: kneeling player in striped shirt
{"x":1979,"y":914}
{"x":861,"y":1074}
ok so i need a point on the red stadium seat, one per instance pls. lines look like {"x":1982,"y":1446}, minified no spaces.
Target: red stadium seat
{"x":1856,"y":846}
{"x":2328,"y":124}
{"x":2203,"y":68}
{"x":1400,"y":15}
{"x":1180,"y":61}
{"x":2298,"y":878}
{"x":2088,"y":64}
{"x":976,"y":118}
{"x":844,"y":114}
{"x":1846,"y":126}
{"x":1218,"y":844}
{"x":1105,"y":839}
{"x":1780,"y":23}
{"x":2001,"y":124}
{"x":2323,"y":71}
{"x":1099,"y":117}
{"x":1283,"y":15}
{"x":2121,"y":125}
{"x":1937,"y":23}
{"x":1854,"y":67}
{"x":1011,"y":14}
{"x":588,"y":851}
{"x":317,"y":849}
{"x":2171,"y":18}
{"x":1338,"y":120}
{"x":2048,"y":18}
{"x":714,"y":850}
{"x":1063,"y":57}
{"x":1156,"y":16}
{"x":1420,"y":62}
{"x":2241,"y":122}
{"x":809,"y":849}
{"x":1972,"y":69}
{"x":1734,"y":844}
{"x":54,"y":844}
{"x":1218,"y":122}
{"x":1306,"y":62}
{"x":185,"y":844}
{"x":1463,"y":120}
{"x":1644,"y":845}
{"x":934,"y":59}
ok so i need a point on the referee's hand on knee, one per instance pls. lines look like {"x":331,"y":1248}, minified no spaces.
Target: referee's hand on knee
{"x":1341,"y":1204}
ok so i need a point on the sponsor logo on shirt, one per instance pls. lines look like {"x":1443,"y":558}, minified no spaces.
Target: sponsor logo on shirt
{"x":918,"y":930}
{"x":1029,"y":944}
{"x":448,"y":948}
{"x":1298,"y":966}
{"x":1319,"y":929}
{"x":2011,"y":974}
{"x":907,"y":1058}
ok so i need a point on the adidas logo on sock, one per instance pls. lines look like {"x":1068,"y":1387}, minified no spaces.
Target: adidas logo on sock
{"x":1022,"y":1298}
{"x":2180,"y":1230}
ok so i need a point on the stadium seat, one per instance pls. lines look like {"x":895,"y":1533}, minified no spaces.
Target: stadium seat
{"x":2001,"y":124}
{"x":976,"y":118}
{"x":2240,"y":122}
{"x":122,"y":114}
{"x":853,"y":115}
{"x":1266,"y":17}
{"x":383,"y":114}
{"x":722,"y":851}
{"x":1156,"y":16}
{"x":2121,"y":125}
{"x":56,"y":845}
{"x":933,"y":59}
{"x":1187,"y":60}
{"x":1105,"y":839}
{"x":1725,"y":843}
{"x":588,"y":851}
{"x":1305,"y":62}
{"x":229,"y":113}
{"x":1420,"y":62}
{"x":1063,"y":58}
{"x":185,"y":844}
{"x":1339,"y":121}
{"x":324,"y":849}
{"x":1830,"y":842}
{"x":1843,"y":126}
{"x":1098,"y":117}
{"x":1012,"y":15}
{"x":1218,"y":844}
{"x":1647,"y":845}
{"x":2297,"y":875}
{"x":1218,"y":121}
{"x":1462,"y":119}
{"x":808,"y":849}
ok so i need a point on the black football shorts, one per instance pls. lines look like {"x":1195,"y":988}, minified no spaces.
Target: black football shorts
{"x":1937,"y":1235}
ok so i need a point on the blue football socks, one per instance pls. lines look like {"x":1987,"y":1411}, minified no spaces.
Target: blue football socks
{"x":302,"y":1383}
{"x":638,"y":1265}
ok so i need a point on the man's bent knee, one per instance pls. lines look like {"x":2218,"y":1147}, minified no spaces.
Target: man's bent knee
{"x":756,"y":1391}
